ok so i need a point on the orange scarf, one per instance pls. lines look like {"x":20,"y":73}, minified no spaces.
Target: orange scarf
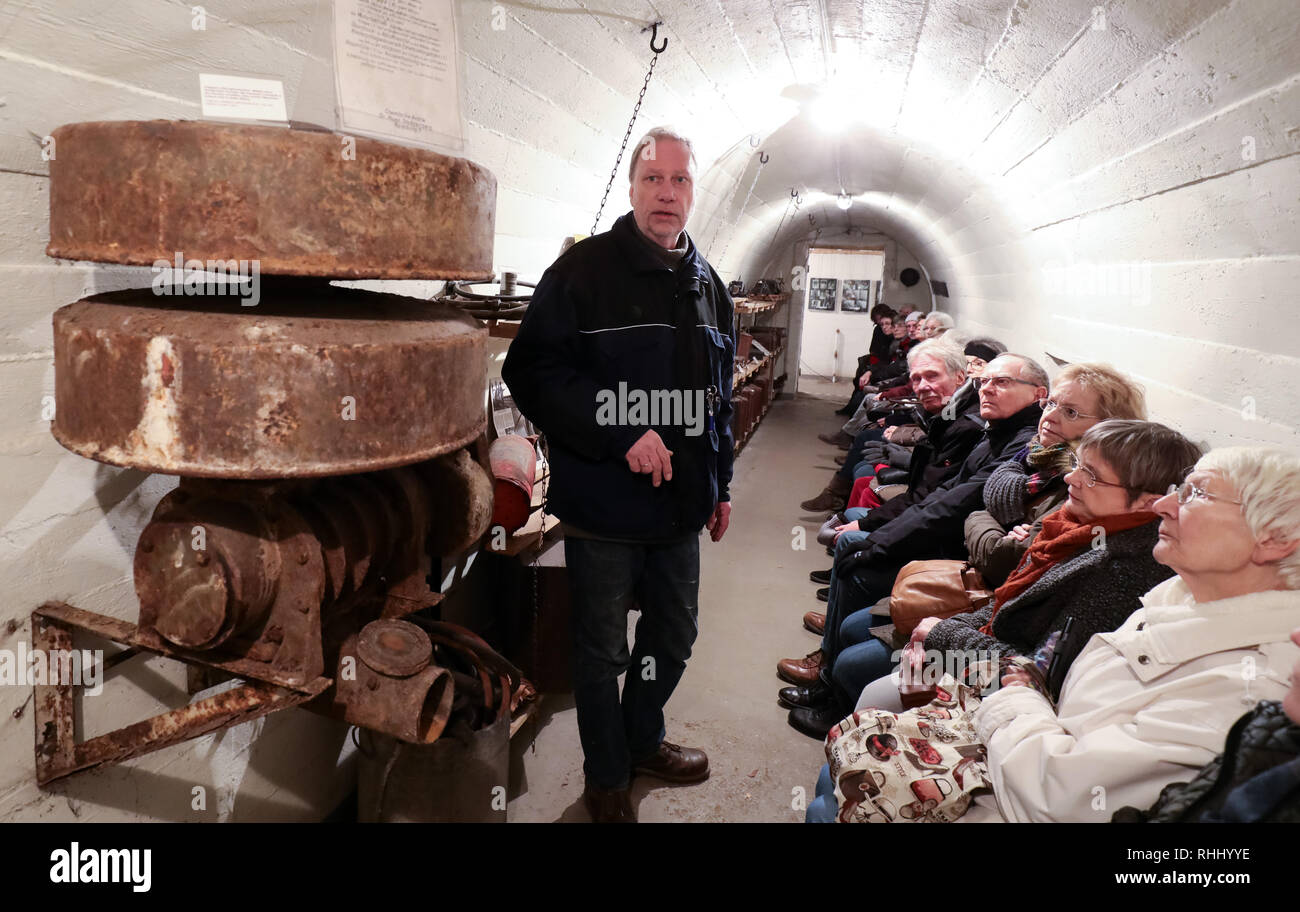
{"x":1062,"y":537}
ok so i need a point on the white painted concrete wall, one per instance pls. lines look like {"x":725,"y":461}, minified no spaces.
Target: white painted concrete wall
{"x":1152,"y":159}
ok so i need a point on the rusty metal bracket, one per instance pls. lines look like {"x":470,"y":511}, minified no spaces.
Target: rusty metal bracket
{"x":59,"y":754}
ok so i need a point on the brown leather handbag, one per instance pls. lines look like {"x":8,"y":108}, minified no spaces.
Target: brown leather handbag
{"x":935,"y":588}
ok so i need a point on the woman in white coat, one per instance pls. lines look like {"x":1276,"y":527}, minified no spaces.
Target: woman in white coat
{"x":1151,"y":703}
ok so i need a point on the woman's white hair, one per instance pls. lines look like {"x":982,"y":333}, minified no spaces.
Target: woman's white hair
{"x":940,"y":318}
{"x":1267,"y":481}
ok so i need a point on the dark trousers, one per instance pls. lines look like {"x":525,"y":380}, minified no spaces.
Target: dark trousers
{"x":607,"y":579}
{"x":851,"y":461}
{"x":850,"y":593}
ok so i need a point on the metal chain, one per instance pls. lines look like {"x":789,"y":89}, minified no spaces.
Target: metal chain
{"x":762,"y":160}
{"x":626,"y":136}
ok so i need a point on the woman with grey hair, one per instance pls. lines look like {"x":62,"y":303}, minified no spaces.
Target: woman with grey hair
{"x":1150,"y":703}
{"x":937,"y":323}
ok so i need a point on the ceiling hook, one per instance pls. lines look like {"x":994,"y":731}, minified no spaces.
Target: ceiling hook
{"x":654,"y":35}
{"x":763,"y":158}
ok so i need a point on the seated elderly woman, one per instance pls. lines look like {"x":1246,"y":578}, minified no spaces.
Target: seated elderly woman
{"x":1151,"y":702}
{"x":1022,"y":491}
{"x":936,"y":324}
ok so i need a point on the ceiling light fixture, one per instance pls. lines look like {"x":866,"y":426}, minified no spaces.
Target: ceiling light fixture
{"x":844,"y":201}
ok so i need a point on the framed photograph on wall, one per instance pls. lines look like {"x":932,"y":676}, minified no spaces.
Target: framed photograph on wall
{"x":857,"y":296}
{"x":821,"y":294}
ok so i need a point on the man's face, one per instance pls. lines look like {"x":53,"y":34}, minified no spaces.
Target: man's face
{"x":1004,"y":392}
{"x":932,"y":382}
{"x":916,"y":329}
{"x":663,"y":191}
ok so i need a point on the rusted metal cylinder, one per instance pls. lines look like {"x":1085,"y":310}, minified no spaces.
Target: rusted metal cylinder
{"x":460,"y":492}
{"x":385,"y":682}
{"x":514,"y":466}
{"x":313,"y":381}
{"x":297,"y":202}
{"x":206,"y":571}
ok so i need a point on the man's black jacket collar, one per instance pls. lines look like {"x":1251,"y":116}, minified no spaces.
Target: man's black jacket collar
{"x":630,"y":242}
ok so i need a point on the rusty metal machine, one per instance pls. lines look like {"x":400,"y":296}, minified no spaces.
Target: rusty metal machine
{"x":329,"y":441}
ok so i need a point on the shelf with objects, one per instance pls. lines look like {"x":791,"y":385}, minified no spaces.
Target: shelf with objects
{"x":762,"y":323}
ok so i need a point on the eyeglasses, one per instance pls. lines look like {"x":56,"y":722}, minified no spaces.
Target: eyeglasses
{"x":1187,"y":491}
{"x":1091,"y":479}
{"x":1000,"y":383}
{"x":1070,"y":413}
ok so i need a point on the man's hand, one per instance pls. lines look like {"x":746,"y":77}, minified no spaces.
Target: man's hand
{"x":717,"y":524}
{"x":889,"y":431}
{"x":847,"y":527}
{"x":864,"y":379}
{"x":649,"y":456}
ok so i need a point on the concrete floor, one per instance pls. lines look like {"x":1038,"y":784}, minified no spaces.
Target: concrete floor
{"x":754,"y":590}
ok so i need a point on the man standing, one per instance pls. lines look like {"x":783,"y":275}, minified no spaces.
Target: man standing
{"x":624,"y":361}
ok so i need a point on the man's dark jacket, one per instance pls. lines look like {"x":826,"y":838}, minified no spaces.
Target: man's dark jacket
{"x":609,"y":311}
{"x":937,"y":457}
{"x":934,"y":527}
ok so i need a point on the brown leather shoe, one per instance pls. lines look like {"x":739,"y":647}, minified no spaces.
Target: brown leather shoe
{"x":675,"y":764}
{"x":815,"y":622}
{"x":608,"y":805}
{"x":839,"y":439}
{"x":825,"y":501}
{"x":801,"y":671}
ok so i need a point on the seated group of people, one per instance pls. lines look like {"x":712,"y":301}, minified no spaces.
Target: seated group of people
{"x":1076,"y":604}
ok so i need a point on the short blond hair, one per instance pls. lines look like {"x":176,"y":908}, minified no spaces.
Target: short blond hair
{"x":656,"y":135}
{"x":1118,"y":395}
{"x":1267,"y":481}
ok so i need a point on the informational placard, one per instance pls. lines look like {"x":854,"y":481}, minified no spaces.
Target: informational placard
{"x":226,"y":97}
{"x":397,"y":70}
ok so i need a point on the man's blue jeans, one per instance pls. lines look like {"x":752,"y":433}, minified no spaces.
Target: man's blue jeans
{"x":847,"y":471}
{"x":606,"y":579}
